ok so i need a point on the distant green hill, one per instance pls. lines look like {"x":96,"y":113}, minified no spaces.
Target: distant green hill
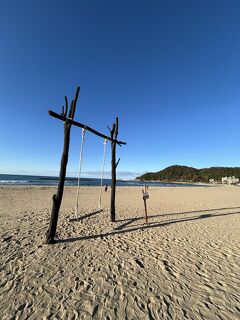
{"x":184,"y":173}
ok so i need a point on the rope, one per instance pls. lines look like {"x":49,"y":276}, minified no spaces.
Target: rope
{"x":103,"y":165}
{"x":79,"y":171}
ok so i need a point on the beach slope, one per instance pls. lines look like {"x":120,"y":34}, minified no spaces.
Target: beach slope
{"x":184,"y":265}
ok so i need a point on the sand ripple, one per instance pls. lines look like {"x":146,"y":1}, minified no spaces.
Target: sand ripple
{"x":184,"y":265}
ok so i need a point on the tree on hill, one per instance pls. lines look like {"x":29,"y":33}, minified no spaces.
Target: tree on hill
{"x":184,"y":173}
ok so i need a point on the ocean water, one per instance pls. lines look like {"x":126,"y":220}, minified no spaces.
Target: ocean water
{"x":9,"y":179}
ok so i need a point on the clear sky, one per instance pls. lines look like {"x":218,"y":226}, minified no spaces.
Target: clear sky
{"x":169,"y":69}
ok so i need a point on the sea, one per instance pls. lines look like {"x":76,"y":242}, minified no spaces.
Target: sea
{"x":26,"y":180}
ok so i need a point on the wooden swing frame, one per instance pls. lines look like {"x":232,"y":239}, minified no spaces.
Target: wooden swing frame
{"x":68,"y":119}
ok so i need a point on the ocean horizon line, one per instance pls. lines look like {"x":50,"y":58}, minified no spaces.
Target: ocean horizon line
{"x":39,"y":180}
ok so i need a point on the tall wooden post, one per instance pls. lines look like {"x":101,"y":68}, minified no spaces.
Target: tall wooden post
{"x":114,"y":134}
{"x":57,"y":198}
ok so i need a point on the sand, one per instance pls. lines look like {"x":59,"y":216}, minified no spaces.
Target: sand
{"x":184,"y":265}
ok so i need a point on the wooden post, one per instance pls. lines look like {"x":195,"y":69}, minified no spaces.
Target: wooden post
{"x":145,"y":197}
{"x":114,"y":134}
{"x":57,"y":198}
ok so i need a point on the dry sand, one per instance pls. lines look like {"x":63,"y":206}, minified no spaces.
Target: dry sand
{"x":184,"y":265}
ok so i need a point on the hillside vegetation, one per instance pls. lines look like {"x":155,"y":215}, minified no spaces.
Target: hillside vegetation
{"x":184,"y":173}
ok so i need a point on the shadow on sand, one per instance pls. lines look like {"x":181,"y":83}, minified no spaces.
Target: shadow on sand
{"x":131,"y":220}
{"x":85,"y":216}
{"x":120,"y":229}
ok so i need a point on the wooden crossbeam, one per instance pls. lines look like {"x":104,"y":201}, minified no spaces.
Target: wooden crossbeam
{"x":81,"y":125}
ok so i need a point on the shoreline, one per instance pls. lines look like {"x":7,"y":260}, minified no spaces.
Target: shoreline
{"x":180,"y":182}
{"x":161,"y":184}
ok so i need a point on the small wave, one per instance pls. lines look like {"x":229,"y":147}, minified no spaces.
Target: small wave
{"x":13,"y":181}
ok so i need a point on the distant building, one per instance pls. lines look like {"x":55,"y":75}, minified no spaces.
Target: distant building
{"x":211,"y":180}
{"x":230,"y":180}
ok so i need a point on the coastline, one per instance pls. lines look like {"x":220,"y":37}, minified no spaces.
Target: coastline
{"x":180,"y":182}
{"x":27,"y":180}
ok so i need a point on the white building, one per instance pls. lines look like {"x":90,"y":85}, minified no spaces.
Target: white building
{"x":230,"y":180}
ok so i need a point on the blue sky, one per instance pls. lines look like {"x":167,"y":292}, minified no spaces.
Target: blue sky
{"x":170,"y":70}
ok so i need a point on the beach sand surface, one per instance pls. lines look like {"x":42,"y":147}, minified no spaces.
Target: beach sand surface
{"x":184,"y":265}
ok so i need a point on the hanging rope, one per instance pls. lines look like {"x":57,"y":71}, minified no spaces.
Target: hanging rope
{"x":103,"y":166}
{"x":79,"y":171}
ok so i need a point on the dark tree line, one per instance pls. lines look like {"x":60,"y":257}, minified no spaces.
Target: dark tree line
{"x":184,"y":173}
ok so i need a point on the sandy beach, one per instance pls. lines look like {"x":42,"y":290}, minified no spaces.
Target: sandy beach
{"x":184,"y":265}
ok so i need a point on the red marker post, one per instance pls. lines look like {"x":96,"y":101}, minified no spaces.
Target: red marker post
{"x":145,"y":197}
